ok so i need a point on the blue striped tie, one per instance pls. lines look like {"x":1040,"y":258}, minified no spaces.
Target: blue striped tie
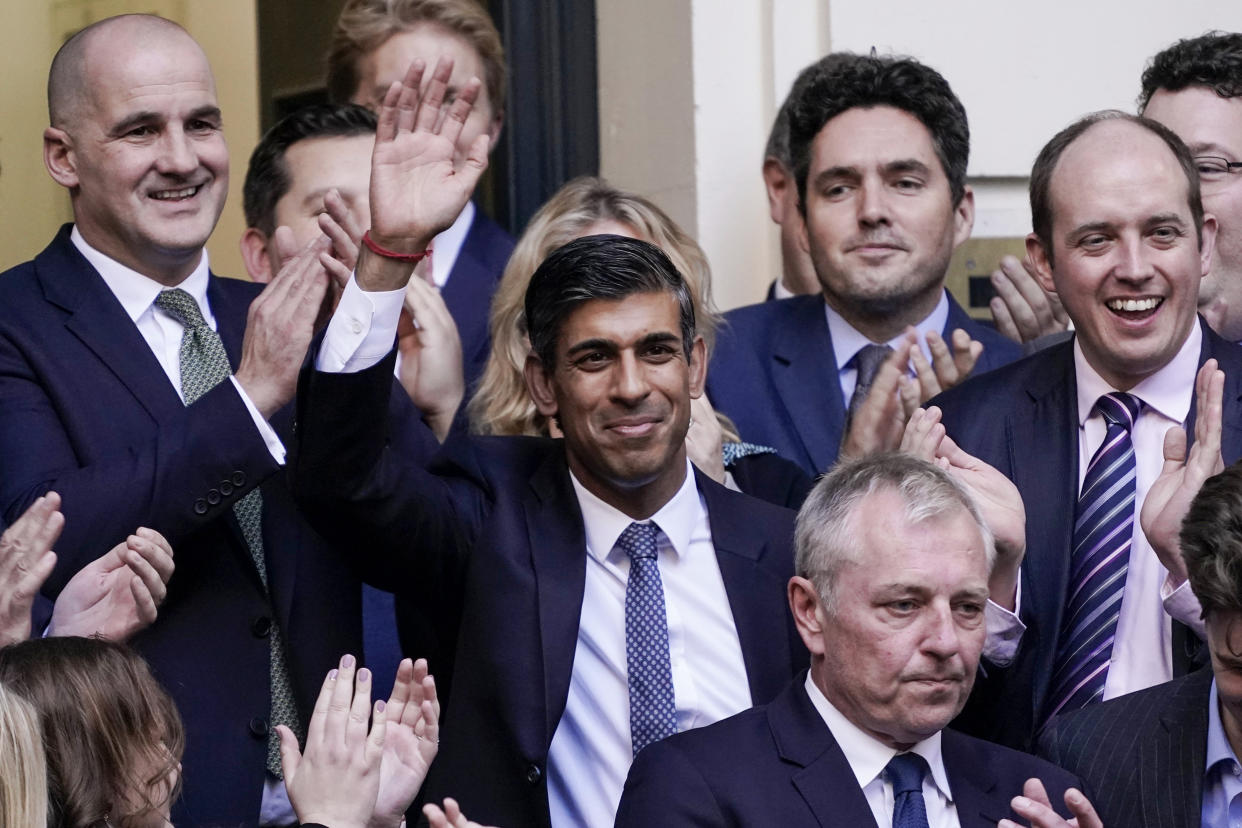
{"x":1103,"y":529}
{"x":653,"y":712}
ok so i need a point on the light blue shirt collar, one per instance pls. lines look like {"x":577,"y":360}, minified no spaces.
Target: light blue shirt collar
{"x":1222,"y":782}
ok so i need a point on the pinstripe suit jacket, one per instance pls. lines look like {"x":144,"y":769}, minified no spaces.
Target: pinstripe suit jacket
{"x":1142,"y":756}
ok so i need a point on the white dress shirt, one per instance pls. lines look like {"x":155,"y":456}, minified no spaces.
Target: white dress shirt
{"x":867,"y":757}
{"x":447,"y":245}
{"x":161,"y":330}
{"x":591,"y":749}
{"x":1142,"y":650}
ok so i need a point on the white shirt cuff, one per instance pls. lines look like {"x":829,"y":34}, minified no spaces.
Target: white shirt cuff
{"x":270,"y":438}
{"x":362,"y":329}
{"x":1181,"y":604}
{"x":1005,"y":630}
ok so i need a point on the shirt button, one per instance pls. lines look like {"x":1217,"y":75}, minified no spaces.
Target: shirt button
{"x":355,"y":326}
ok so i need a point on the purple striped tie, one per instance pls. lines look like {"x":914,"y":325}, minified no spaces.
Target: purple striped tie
{"x":1103,"y":529}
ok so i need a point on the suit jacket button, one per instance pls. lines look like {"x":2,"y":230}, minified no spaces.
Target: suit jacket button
{"x":238,"y":478}
{"x":261,"y":627}
{"x":213,"y":496}
{"x":533,"y":774}
{"x":258,"y":727}
{"x":226,"y":487}
{"x":200,"y":507}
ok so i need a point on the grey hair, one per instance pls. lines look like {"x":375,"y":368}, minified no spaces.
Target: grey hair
{"x":827,"y":530}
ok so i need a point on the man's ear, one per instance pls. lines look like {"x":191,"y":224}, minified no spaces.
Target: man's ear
{"x":964,"y":218}
{"x":493,"y":131}
{"x":808,"y":613}
{"x":254,"y":254}
{"x":1207,"y":242}
{"x":1038,"y":255}
{"x":698,"y":367}
{"x":59,"y":158}
{"x":777,"y":180}
{"x":539,"y":385}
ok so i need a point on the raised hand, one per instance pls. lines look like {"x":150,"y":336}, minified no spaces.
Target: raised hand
{"x":430,"y":347}
{"x":338,"y":223}
{"x":336,"y":780}
{"x":418,"y":187}
{"x":279,"y":328}
{"x":1022,"y":309}
{"x":1182,"y":476}
{"x":411,"y":742}
{"x":450,"y":817}
{"x":1034,"y":806}
{"x":118,"y":594}
{"x":877,"y":424}
{"x":705,"y":439}
{"x":949,"y":365}
{"x":26,"y":559}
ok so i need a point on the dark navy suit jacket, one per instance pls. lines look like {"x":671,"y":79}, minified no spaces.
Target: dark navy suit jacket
{"x":87,"y":411}
{"x":780,"y":765}
{"x":489,"y":536}
{"x":1023,"y":419}
{"x":774,"y":373}
{"x":1142,"y":756}
{"x":468,"y":291}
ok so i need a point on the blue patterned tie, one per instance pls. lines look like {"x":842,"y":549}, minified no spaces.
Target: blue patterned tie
{"x":867,"y":362}
{"x":1103,"y":529}
{"x":653,"y":712}
{"x":905,"y":772}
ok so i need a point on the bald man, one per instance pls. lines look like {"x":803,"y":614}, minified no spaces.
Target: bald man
{"x":132,"y":384}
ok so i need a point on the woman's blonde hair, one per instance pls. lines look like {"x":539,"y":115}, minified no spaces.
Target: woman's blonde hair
{"x":23,"y":768}
{"x":501,"y":405}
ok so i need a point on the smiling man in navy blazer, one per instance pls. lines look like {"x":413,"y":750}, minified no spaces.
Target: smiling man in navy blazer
{"x":893,"y":561}
{"x":601,"y":592}
{"x":129,"y":407}
{"x":1121,"y":236}
{"x":879,"y":147}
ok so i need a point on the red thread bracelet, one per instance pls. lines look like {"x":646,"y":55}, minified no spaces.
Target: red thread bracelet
{"x":392,"y":254}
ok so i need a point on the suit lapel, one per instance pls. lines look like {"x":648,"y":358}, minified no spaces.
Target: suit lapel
{"x":1171,"y":766}
{"x":804,"y":373}
{"x":755,"y":592}
{"x":98,"y":320}
{"x":558,"y":555}
{"x":1048,"y":481}
{"x":824,"y":779}
{"x":1227,"y":356}
{"x":972,"y":782}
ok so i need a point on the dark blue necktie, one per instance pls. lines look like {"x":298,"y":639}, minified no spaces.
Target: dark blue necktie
{"x":905,"y":772}
{"x":1103,"y":529}
{"x":653,"y":712}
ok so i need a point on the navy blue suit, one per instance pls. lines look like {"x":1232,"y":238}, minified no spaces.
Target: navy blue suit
{"x":774,"y":373}
{"x":489,"y":538}
{"x":1023,"y":419}
{"x":780,"y":765}
{"x":87,"y":411}
{"x":1142,"y":756}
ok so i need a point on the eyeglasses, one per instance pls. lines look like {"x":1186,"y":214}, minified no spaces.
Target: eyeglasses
{"x":1213,"y":168}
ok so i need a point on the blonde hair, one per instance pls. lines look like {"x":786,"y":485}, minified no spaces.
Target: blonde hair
{"x":23,"y":766}
{"x":365,"y":25}
{"x":501,"y":405}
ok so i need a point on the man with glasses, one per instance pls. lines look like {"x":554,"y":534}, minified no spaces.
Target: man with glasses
{"x":1194,"y":87}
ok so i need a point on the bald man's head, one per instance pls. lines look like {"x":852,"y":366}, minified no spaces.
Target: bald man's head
{"x":68,"y":85}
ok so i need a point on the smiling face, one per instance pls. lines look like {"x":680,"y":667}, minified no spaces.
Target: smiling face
{"x":1212,"y":125}
{"x":897,"y":655}
{"x":1127,"y":259}
{"x":144,"y":155}
{"x":621,"y":387}
{"x":880,"y":224}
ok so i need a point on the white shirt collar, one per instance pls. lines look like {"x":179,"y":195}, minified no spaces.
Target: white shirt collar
{"x":446,"y":246}
{"x":869,"y":756}
{"x":136,"y":292}
{"x":847,"y":341}
{"x":1168,"y":391}
{"x":604,"y":523}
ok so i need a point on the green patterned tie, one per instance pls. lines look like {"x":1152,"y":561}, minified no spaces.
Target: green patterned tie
{"x":204,"y":365}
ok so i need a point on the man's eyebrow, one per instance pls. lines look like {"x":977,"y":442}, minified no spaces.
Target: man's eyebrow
{"x":135,"y":119}
{"x":598,"y":343}
{"x":836,"y":172}
{"x":659,"y":338}
{"x":1165,"y":218}
{"x":907,"y":165}
{"x":209,"y":112}
{"x":1089,"y":227}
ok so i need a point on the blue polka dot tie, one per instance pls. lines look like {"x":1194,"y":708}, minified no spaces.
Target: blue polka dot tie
{"x":653,"y":712}
{"x":905,"y":772}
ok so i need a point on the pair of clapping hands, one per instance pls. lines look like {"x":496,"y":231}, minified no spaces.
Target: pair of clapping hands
{"x":353,"y":777}
{"x":113,"y":596}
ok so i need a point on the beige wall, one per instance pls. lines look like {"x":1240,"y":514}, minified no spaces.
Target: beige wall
{"x":32,"y":206}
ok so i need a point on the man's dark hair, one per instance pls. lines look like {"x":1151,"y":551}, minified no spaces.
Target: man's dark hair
{"x":1213,"y":60}
{"x":843,"y":81}
{"x":778,"y":139}
{"x":267,"y":178}
{"x":1046,"y":162}
{"x":598,"y":267}
{"x":1211,"y":542}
